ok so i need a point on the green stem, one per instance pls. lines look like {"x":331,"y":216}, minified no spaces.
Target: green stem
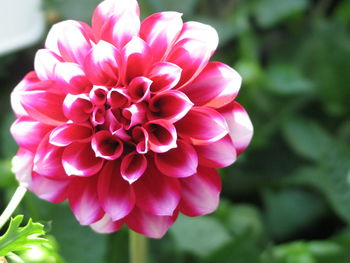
{"x":138,"y":248}
{"x":12,"y":205}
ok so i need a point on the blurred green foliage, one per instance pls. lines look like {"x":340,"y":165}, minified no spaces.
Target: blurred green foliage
{"x":287,"y":199}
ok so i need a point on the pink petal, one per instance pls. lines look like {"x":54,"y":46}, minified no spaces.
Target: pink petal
{"x":54,"y":191}
{"x":133,"y":166}
{"x":44,"y":106}
{"x":98,"y":116}
{"x":68,"y":133}
{"x":139,"y":89}
{"x":136,"y":59}
{"x":218,"y":154}
{"x":108,"y":8}
{"x":156,"y":193}
{"x":216,"y":86}
{"x":200,"y":192}
{"x":148,"y":224}
{"x":202,"y":125}
{"x":29,"y":79}
{"x":140,"y":135}
{"x":106,"y":145}
{"x":106,"y":225}
{"x":240,"y":126}
{"x":83,"y":200}
{"x":77,"y":108}
{"x":101,"y":64}
{"x":71,"y":78}
{"x":28,"y":132}
{"x":98,"y":95}
{"x":48,"y":160}
{"x":201,"y":32}
{"x":118,"y":98}
{"x":170,"y":105}
{"x":164,"y":75}
{"x":70,"y":39}
{"x":22,"y":166}
{"x":160,"y":31}
{"x":181,"y":161}
{"x":162,"y":135}
{"x":44,"y":63}
{"x":121,"y":28}
{"x":116,"y":196}
{"x":80,"y":160}
{"x":134,"y":114}
{"x":192,"y":56}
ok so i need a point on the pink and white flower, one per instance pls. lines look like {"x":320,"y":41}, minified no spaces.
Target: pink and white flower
{"x":128,"y":120}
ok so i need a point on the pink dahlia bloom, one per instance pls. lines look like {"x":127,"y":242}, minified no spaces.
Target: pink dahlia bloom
{"x":128,"y":120}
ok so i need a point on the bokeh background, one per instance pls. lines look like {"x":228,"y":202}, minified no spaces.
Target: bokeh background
{"x":287,"y":199}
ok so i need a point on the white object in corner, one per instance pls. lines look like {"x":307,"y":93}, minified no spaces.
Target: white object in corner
{"x":22,"y":23}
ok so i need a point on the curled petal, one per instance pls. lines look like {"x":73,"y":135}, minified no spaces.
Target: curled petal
{"x":219,"y":154}
{"x":240,"y":126}
{"x":134,"y":114}
{"x":22,"y":166}
{"x":77,"y":108}
{"x":148,"y":224}
{"x":48,"y":160}
{"x":70,"y":39}
{"x":108,"y":8}
{"x":202,"y":32}
{"x":71,"y":78}
{"x":181,"y":161}
{"x":169,"y":105}
{"x":44,"y":63}
{"x":80,"y":160}
{"x":98,"y":116}
{"x":28,"y":132}
{"x":160,"y":31}
{"x":116,"y":196}
{"x":68,"y":133}
{"x":156,"y":193}
{"x":120,"y":29}
{"x":98,"y":95}
{"x":133,"y":166}
{"x":118,"y":98}
{"x":140,"y":136}
{"x":162,"y":135}
{"x":83,"y":200}
{"x":139,"y":89}
{"x":164,"y":75}
{"x":202,"y":125}
{"x":106,"y":225}
{"x":101,"y":64}
{"x":44,"y":106}
{"x":192,"y":56}
{"x":136,"y":59}
{"x":106,"y":145}
{"x":55,"y":191}
{"x":216,"y":86}
{"x":200,"y":192}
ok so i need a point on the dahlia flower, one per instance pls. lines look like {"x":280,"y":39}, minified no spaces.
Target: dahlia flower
{"x":128,"y":120}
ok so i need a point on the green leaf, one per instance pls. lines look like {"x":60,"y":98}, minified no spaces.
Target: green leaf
{"x":200,"y":236}
{"x":74,"y":240}
{"x":18,"y":238}
{"x":306,"y":138}
{"x":270,"y":12}
{"x":286,"y":79}
{"x":291,"y":210}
